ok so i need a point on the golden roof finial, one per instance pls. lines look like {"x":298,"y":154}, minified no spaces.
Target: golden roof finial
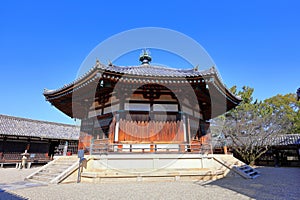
{"x":97,"y":62}
{"x":110,"y":63}
{"x":145,"y":57}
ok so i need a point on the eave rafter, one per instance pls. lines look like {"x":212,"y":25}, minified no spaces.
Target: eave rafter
{"x":102,"y":80}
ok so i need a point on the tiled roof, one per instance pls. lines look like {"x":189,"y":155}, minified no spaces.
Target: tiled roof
{"x":280,"y":140}
{"x":157,"y":71}
{"x":288,"y":139}
{"x":142,"y":71}
{"x":17,"y":126}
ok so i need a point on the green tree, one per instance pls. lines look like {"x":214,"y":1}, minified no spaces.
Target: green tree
{"x":288,"y":107}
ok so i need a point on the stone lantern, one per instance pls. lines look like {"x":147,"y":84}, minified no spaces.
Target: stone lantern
{"x":24,"y":159}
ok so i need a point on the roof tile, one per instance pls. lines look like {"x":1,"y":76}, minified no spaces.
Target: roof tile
{"x":34,"y":128}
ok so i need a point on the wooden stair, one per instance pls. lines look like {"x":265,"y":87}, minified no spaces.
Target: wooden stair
{"x":237,"y":166}
{"x":55,"y":171}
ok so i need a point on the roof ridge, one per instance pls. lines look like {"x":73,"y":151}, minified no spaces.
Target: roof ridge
{"x":77,"y":79}
{"x":35,"y":120}
{"x":211,"y":69}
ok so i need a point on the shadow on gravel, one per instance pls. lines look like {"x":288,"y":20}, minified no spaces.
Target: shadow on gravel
{"x":4,"y":195}
{"x":5,"y":189}
{"x":273,"y":183}
{"x":18,"y":185}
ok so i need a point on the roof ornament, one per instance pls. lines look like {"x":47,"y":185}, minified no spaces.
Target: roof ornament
{"x":110,"y":63}
{"x":196,"y":68}
{"x":145,"y":57}
{"x":97,"y":62}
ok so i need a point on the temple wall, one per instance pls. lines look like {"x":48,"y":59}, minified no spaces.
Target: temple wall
{"x":151,"y":162}
{"x":125,"y":134}
{"x":144,"y":116}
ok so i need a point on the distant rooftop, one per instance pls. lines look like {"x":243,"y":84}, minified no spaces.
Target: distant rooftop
{"x":17,"y":126}
{"x":280,"y":140}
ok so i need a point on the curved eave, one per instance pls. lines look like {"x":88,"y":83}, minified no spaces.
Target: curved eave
{"x":116,"y":72}
{"x":63,"y":98}
{"x":79,"y":81}
{"x":225,"y":91}
{"x":231,"y":101}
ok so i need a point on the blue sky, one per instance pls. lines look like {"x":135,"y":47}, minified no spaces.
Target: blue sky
{"x":43,"y":43}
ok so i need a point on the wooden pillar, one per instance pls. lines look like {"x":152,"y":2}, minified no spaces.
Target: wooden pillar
{"x":151,"y":147}
{"x":186,"y":131}
{"x":184,"y":128}
{"x":116,"y":139}
{"x":225,"y":149}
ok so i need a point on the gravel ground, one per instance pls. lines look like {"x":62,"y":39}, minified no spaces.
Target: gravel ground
{"x":274,"y":183}
{"x":10,"y":175}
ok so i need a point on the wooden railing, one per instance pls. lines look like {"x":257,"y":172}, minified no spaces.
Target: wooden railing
{"x":106,"y":148}
{"x":11,"y":157}
{"x":39,"y":158}
{"x":16,"y":158}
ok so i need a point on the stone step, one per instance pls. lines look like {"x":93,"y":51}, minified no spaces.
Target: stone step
{"x":168,"y":175}
{"x":43,"y":178}
{"x":58,"y":171}
{"x":54,"y":171}
{"x":49,"y":174}
{"x":255,"y":176}
{"x":40,"y":180}
{"x":57,"y":167}
{"x":238,"y":166}
{"x":165,"y":173}
{"x":64,"y":162}
{"x":244,"y":167}
{"x":252,"y":173}
{"x":247,"y":172}
{"x":66,"y":159}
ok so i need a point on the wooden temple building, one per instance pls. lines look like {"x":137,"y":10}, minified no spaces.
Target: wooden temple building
{"x":144,"y":108}
{"x":41,"y":139}
{"x":283,"y":151}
